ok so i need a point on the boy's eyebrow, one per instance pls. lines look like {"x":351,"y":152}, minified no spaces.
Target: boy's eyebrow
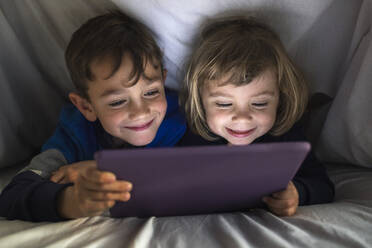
{"x":111,"y":91}
{"x":150,"y":80}
{"x":114,"y":91}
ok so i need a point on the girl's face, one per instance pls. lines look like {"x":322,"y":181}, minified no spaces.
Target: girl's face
{"x":241,"y":114}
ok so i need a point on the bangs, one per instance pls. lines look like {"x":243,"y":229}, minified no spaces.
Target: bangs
{"x":139,"y":59}
{"x":237,"y":63}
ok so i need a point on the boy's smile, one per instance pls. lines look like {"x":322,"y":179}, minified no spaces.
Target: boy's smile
{"x":139,"y":128}
{"x":241,"y":114}
{"x":132,"y":113}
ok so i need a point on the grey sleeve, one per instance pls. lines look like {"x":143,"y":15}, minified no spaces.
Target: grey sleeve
{"x":46,"y":162}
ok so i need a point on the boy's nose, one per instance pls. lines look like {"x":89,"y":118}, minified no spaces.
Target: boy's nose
{"x":242,"y":114}
{"x":138,"y":110}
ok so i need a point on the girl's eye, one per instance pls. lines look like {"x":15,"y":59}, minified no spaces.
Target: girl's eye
{"x":152,"y":93}
{"x":117,"y":103}
{"x":223,"y":105}
{"x":260,"y":105}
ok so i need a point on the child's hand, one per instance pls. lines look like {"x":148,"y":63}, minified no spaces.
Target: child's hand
{"x":93,"y":192}
{"x":67,"y":173}
{"x":283,"y":203}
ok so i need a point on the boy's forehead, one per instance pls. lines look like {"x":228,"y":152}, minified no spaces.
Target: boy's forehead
{"x":104,"y":68}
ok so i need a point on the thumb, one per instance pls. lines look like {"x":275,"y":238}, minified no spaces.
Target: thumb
{"x":57,"y":176}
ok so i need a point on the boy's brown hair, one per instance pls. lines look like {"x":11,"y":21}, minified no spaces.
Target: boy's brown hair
{"x":110,"y":35}
{"x":243,"y":48}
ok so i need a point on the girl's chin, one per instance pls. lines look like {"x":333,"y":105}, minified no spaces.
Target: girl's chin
{"x":239,"y":144}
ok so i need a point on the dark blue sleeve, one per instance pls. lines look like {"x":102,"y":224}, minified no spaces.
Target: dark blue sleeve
{"x":311,"y":180}
{"x":30,"y":197}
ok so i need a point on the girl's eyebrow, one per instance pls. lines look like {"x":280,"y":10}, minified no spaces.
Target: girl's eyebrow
{"x":265,"y":92}
{"x":217,"y":94}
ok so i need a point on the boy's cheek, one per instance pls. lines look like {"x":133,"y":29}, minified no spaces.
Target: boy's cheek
{"x":160,"y":105}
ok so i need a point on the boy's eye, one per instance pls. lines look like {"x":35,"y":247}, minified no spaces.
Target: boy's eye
{"x":152,"y":93}
{"x":223,"y":105}
{"x":117,"y":103}
{"x":260,"y":105}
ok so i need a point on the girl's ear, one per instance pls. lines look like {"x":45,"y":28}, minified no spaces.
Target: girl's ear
{"x":83,"y":105}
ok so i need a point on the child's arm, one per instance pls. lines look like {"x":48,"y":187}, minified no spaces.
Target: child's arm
{"x":311,"y":185}
{"x":31,"y":196}
{"x":93,"y":192}
{"x":283,"y":203}
{"x":312,"y":182}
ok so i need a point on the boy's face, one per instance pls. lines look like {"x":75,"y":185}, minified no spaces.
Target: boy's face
{"x":241,"y":114}
{"x":130,"y":113}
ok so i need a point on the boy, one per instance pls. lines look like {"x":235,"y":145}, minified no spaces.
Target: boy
{"x":120,"y":102}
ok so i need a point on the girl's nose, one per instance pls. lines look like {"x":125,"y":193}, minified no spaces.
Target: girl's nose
{"x":242,"y":114}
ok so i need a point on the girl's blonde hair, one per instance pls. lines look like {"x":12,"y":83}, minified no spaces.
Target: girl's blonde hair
{"x":243,"y":48}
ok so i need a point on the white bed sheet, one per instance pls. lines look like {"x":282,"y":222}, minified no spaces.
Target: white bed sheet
{"x":345,"y":223}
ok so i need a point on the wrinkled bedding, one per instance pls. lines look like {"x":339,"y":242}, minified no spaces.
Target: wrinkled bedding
{"x":345,"y":223}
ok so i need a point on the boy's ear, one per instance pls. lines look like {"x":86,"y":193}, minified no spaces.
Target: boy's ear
{"x":83,"y":105}
{"x":165,"y":71}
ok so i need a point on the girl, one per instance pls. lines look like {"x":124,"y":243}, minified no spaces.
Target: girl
{"x":241,"y":88}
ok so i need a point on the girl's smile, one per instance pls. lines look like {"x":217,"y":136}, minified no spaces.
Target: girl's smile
{"x":240,"y":133}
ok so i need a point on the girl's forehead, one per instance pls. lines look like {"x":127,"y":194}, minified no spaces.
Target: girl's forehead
{"x":266,"y":80}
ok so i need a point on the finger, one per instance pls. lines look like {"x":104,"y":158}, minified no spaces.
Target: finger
{"x":279,"y":203}
{"x":57,"y":177}
{"x":107,"y":196}
{"x":288,"y":193}
{"x":94,"y":208}
{"x":102,"y":205}
{"x":96,"y":176}
{"x":64,"y":180}
{"x":284,"y":212}
{"x":285,"y":194}
{"x":116,"y":186}
{"x":72,"y":173}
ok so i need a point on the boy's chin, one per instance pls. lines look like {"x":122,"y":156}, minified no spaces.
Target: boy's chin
{"x":141,"y":141}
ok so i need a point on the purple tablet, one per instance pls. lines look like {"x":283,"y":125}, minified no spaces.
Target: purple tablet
{"x":201,"y":180}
